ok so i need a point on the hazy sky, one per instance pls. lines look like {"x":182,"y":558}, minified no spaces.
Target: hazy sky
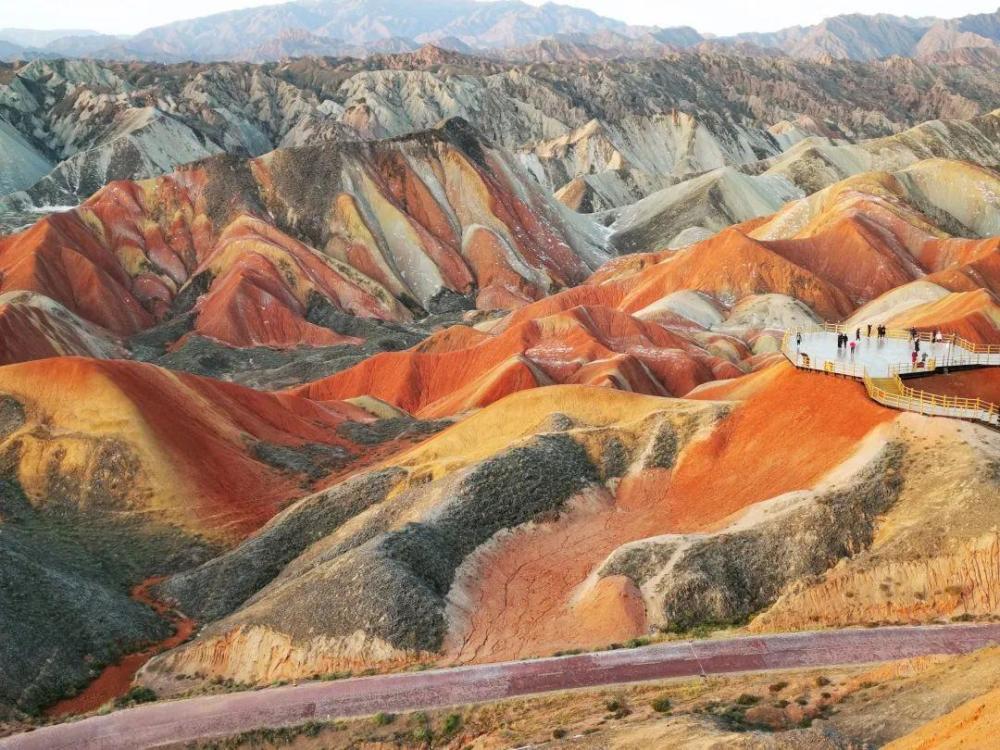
{"x":717,"y":16}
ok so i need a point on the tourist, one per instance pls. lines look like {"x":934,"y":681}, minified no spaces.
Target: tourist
{"x":916,"y":345}
{"x":869,"y":330}
{"x":854,"y":345}
{"x":913,"y":358}
{"x":798,"y":340}
{"x":857,"y":334}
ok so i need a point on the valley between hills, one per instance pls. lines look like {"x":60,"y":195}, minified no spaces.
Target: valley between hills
{"x":336,"y":367}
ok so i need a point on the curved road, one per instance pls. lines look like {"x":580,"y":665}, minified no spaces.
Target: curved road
{"x":174,"y":722}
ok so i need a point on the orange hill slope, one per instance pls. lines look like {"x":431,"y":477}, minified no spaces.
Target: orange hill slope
{"x":525,"y":595}
{"x":192,"y":450}
{"x":367,"y":228}
{"x":836,"y":250}
{"x":584,"y":345}
{"x":983,"y":383}
{"x":974,"y":724}
{"x":861,"y":245}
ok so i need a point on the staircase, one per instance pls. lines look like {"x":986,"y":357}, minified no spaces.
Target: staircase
{"x":871,"y":362}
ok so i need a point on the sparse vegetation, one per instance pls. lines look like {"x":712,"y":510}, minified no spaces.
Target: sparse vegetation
{"x":661,"y":705}
{"x":136,"y":695}
{"x":452,"y":723}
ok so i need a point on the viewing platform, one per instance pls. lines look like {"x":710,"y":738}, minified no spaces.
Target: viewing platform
{"x":883,"y":363}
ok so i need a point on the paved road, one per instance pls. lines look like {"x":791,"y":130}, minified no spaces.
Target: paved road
{"x":171,"y":722}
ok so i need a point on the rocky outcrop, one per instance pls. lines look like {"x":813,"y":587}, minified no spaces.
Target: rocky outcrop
{"x":727,"y":576}
{"x":935,"y":554}
{"x":391,"y":565}
{"x":433,"y":223}
{"x":86,"y":123}
{"x":602,"y":166}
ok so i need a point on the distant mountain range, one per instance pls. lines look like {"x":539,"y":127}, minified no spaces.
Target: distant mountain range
{"x":507,"y":28}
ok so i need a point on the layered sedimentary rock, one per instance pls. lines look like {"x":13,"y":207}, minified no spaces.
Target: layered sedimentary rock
{"x":601,"y":166}
{"x":254,"y":253}
{"x":35,"y":327}
{"x":112,"y":471}
{"x":585,"y":345}
{"x":640,"y":467}
{"x":730,"y":195}
{"x":70,"y":126}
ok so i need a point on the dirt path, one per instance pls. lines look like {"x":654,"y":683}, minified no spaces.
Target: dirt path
{"x":177,"y":722}
{"x":116,"y":679}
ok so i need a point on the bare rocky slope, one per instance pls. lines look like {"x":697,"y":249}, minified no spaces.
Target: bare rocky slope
{"x":68,"y":127}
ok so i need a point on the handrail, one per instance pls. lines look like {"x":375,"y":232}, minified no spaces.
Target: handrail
{"x":902,"y":396}
{"x":900,"y":333}
{"x":924,"y":402}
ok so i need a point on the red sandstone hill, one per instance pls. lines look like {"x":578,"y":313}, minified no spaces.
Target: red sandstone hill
{"x":34,"y":327}
{"x":583,"y":345}
{"x":664,"y":323}
{"x":212,"y":457}
{"x":364,"y":228}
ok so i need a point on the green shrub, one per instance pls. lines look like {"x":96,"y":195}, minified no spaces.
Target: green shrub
{"x":382,"y":719}
{"x":747,"y":700}
{"x":423,"y":734}
{"x":451,"y":723}
{"x":661,"y":705}
{"x":559,"y":733}
{"x":778,"y":686}
{"x":134,"y":696}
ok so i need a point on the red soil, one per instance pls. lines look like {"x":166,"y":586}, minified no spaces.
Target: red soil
{"x":762,"y":449}
{"x":60,"y":258}
{"x":588,"y":345}
{"x":972,"y":315}
{"x":527,"y":593}
{"x":453,"y":338}
{"x":251,"y":306}
{"x":115,"y":680}
{"x":202,"y":428}
{"x":852,"y":253}
{"x":984,"y":384}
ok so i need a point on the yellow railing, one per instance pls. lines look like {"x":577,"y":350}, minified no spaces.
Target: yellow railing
{"x":899,"y":333}
{"x":924,"y":402}
{"x":901,"y":396}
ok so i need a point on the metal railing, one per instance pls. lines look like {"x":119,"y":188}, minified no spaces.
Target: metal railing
{"x":932,"y":404}
{"x":901,"y":396}
{"x":957,"y":341}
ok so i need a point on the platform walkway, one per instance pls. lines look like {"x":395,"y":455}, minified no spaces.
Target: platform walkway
{"x":883,"y":363}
